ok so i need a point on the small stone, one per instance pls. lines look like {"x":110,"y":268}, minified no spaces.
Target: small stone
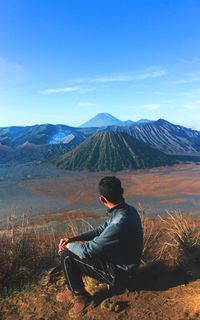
{"x":116,"y":307}
{"x":107,"y":305}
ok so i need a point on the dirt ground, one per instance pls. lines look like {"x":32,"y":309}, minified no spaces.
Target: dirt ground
{"x":156,"y":293}
{"x":46,"y":191}
{"x":165,"y":296}
{"x":159,"y":189}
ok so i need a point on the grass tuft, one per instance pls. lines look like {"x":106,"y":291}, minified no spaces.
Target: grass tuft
{"x":26,"y":250}
{"x":183,"y":244}
{"x":24,"y":253}
{"x":151,"y":236}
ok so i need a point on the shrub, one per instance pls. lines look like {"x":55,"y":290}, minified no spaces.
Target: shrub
{"x":24,"y":252}
{"x":183,"y":245}
{"x":151,"y":236}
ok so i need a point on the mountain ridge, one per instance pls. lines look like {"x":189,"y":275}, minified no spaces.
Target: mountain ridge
{"x":166,"y":137}
{"x":160,"y":134}
{"x":105,"y":119}
{"x":112,"y":151}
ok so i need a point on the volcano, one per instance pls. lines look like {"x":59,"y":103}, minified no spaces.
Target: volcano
{"x":112,"y":151}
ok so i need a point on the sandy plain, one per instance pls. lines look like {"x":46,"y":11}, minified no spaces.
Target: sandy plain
{"x":38,"y":190}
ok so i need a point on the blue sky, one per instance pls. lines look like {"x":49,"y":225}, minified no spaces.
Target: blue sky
{"x":64,"y":61}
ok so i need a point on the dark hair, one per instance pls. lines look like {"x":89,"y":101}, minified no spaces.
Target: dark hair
{"x":110,"y":188}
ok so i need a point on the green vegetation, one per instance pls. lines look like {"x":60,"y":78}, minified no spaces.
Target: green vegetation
{"x":113,"y":151}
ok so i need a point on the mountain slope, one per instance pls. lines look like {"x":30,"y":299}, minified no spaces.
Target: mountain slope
{"x":112,"y":151}
{"x":106,"y":119}
{"x":161,"y":135}
{"x":165,"y":136}
{"x":102,"y":120}
{"x":29,"y":152}
{"x":43,"y":134}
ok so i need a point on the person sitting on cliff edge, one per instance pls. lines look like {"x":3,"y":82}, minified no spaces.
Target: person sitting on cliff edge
{"x":110,"y":253}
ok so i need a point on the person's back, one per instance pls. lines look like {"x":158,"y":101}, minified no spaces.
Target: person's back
{"x":128,"y":249}
{"x":120,"y":241}
{"x":110,"y":250}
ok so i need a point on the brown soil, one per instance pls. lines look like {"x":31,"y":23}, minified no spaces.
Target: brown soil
{"x":161,"y":290}
{"x":176,"y":200}
{"x":157,"y":189}
{"x":64,"y":215}
{"x":180,"y":179}
{"x":166,"y":297}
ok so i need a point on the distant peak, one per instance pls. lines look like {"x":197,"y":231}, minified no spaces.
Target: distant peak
{"x":104,"y":114}
{"x":162,"y":120}
{"x":102,"y":120}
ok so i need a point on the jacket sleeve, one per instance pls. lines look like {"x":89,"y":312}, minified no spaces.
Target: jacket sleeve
{"x":89,"y":235}
{"x":107,"y":240}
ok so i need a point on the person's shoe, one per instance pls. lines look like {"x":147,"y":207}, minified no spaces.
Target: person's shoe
{"x":65,"y":296}
{"x":81,"y":302}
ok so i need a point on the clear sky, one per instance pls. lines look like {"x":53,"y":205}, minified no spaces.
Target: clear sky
{"x":64,"y":61}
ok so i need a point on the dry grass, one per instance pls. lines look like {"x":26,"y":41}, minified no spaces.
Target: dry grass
{"x":27,"y":250}
{"x":151,"y":238}
{"x":24,"y":253}
{"x":83,"y":224}
{"x":183,"y":243}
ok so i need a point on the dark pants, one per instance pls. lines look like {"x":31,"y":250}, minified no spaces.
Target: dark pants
{"x":103,"y":271}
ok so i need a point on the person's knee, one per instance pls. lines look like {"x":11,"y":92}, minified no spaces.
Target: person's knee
{"x":65,"y":253}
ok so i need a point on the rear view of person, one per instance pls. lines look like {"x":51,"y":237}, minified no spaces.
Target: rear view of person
{"x":110,"y":253}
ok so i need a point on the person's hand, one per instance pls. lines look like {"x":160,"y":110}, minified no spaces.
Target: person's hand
{"x":62,"y":244}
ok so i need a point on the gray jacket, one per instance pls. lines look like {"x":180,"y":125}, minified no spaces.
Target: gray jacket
{"x":119,"y":240}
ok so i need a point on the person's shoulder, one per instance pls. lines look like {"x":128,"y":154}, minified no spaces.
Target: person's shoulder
{"x":124,"y":211}
{"x":131,"y":208}
{"x":132,"y":212}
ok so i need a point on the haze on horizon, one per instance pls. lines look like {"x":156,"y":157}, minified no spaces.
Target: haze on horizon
{"x":66,"y":61}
